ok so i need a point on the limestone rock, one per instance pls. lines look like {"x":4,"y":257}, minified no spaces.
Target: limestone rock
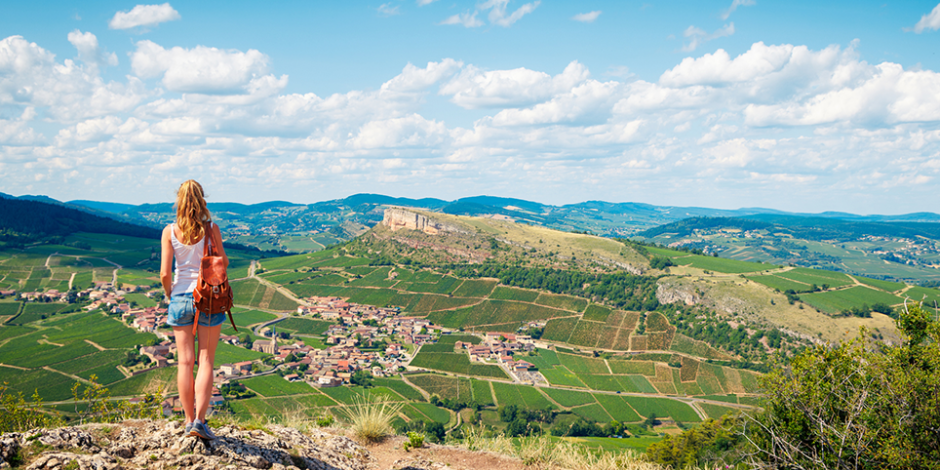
{"x":396,"y":218}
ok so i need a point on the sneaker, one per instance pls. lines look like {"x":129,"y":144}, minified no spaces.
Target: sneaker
{"x":201,"y":430}
{"x":188,"y":429}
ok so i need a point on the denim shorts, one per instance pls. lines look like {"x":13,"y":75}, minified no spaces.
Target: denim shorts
{"x":182,"y":313}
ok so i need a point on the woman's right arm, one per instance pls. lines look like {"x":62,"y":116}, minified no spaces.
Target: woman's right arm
{"x":166,"y":262}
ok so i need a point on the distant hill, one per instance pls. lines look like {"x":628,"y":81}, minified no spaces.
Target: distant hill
{"x":807,"y":228}
{"x":36,"y":219}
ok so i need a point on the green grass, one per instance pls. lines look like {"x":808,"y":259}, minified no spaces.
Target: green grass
{"x":434,"y":413}
{"x":559,"y":329}
{"x":663,"y":407}
{"x":716,"y":411}
{"x":344,"y":395}
{"x":647,"y":368}
{"x":520,"y":395}
{"x":618,"y":408}
{"x":477,"y":288}
{"x":722,"y":265}
{"x":400,"y":387}
{"x":839,"y":300}
{"x":51,"y":386}
{"x":482,"y":393}
{"x":883,"y":285}
{"x":565,"y":302}
{"x":494,"y":312}
{"x":275,"y":386}
{"x":146,"y":382}
{"x":595,"y":312}
{"x":228,"y":354}
{"x":443,"y":386}
{"x":456,"y":362}
{"x":562,"y":376}
{"x":303,"y":326}
{"x":923,"y":294}
{"x":569,"y":398}
{"x":513,"y":293}
{"x":779,"y":283}
{"x":817,"y":276}
{"x":594,"y":412}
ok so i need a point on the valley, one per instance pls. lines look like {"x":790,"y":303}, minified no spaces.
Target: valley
{"x":593,"y":329}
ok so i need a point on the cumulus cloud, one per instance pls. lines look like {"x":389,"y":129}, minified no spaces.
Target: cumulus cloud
{"x":929,"y":21}
{"x":734,"y":6}
{"x":588,"y":17}
{"x":30,"y":76}
{"x":143,"y":15}
{"x":88,"y":52}
{"x":422,"y":3}
{"x":777,"y":116}
{"x":698,"y":36}
{"x":475,"y":88}
{"x":202,"y":69}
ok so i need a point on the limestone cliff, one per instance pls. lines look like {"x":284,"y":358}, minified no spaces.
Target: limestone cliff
{"x":397,"y":218}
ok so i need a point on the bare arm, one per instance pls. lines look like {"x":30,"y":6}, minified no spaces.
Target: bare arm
{"x":217,"y":242}
{"x":166,"y":261}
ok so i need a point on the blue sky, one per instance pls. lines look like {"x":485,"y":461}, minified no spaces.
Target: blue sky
{"x":804,"y":106}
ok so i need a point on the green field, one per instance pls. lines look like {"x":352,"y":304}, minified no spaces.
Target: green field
{"x":513,"y":293}
{"x":839,"y":300}
{"x":721,"y":265}
{"x":443,"y":386}
{"x":817,"y":276}
{"x":569,"y":398}
{"x":303,"y":326}
{"x":458,"y":363}
{"x":276,"y":386}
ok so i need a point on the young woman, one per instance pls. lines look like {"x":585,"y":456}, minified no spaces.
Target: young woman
{"x":184,"y":241}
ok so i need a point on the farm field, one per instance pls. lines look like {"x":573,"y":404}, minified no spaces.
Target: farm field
{"x":838,"y":300}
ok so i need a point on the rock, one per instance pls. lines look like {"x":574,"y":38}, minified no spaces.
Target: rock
{"x":670,"y":293}
{"x":416,"y":463}
{"x":396,"y":218}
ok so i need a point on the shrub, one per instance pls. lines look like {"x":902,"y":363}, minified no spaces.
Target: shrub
{"x":415,"y":441}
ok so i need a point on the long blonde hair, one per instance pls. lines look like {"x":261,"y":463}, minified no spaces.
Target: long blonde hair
{"x":192,"y":215}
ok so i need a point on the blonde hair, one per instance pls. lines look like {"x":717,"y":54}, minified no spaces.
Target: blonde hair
{"x":192,"y":215}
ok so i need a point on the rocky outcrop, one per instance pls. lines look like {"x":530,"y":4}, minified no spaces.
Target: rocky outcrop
{"x":672,"y":292}
{"x":162,"y":445}
{"x":397,"y":218}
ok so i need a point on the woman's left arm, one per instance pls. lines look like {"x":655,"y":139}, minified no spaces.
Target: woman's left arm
{"x":166,"y":261}
{"x":217,"y":239}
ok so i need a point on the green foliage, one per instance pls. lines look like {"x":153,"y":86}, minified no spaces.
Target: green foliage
{"x":415,"y":441}
{"x":857,"y":405}
{"x":708,"y":445}
{"x":16,"y":414}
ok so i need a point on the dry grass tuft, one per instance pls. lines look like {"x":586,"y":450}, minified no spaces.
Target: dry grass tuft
{"x":371,"y":419}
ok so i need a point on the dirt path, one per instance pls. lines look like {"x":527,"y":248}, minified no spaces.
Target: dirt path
{"x":75,"y":377}
{"x":97,"y":346}
{"x":72,"y":280}
{"x":272,"y":286}
{"x":426,"y":395}
{"x":49,"y":259}
{"x":13,"y":367}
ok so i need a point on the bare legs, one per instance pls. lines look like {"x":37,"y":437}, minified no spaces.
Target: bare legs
{"x":195,"y":394}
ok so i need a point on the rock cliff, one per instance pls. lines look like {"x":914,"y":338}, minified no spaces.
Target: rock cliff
{"x":162,"y":445}
{"x":397,"y":218}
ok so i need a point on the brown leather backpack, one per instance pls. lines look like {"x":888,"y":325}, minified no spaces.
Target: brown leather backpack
{"x":212,"y":294}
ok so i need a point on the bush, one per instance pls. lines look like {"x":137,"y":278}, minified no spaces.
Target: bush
{"x":860,"y":404}
{"x":415,"y":441}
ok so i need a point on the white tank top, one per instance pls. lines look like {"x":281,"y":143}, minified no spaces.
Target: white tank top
{"x":188,"y":259}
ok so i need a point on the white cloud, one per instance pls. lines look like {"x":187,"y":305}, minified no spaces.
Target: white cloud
{"x":698,"y":36}
{"x":498,"y":16}
{"x":588,"y":17}
{"x":143,"y":15}
{"x":422,"y":3}
{"x":734,"y":6}
{"x":30,"y":76}
{"x":88,"y":52}
{"x":200,"y":69}
{"x":929,"y":21}
{"x":388,"y":10}
{"x":474,"y":88}
{"x":413,"y":79}
{"x":466,"y":19}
